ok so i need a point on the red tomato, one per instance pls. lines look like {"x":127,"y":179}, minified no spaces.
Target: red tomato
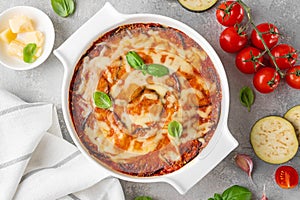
{"x":233,"y":40}
{"x":292,"y":77}
{"x":285,"y":56}
{"x":249,"y":60}
{"x":270,"y":34}
{"x":266,"y":80}
{"x":286,"y":177}
{"x":230,"y":13}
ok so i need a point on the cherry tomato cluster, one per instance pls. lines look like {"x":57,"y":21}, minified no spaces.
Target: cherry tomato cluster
{"x":260,"y":54}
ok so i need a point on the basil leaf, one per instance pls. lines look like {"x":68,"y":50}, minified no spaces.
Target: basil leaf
{"x":63,"y":8}
{"x":246,"y":97}
{"x":175,"y":129}
{"x":157,"y":70}
{"x":70,"y":4}
{"x":143,"y":198}
{"x":237,"y":192}
{"x":135,"y":61}
{"x":102,"y":100}
{"x":28,"y":53}
{"x":144,"y":69}
{"x":218,"y":197}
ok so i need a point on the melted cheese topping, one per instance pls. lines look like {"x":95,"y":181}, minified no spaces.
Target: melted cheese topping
{"x":136,"y":126}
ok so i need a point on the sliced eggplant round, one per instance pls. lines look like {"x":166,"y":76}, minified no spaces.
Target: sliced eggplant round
{"x":197,"y":5}
{"x":274,"y":140}
{"x":293,"y":115}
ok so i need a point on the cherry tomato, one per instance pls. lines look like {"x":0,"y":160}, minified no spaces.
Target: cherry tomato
{"x":230,"y":13}
{"x":286,"y":177}
{"x":292,"y":77}
{"x":285,"y":56}
{"x":266,"y":80}
{"x":270,"y":34}
{"x":249,"y":60}
{"x":233,"y":40}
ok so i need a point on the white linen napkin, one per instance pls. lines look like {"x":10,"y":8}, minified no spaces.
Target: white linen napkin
{"x":36,"y":163}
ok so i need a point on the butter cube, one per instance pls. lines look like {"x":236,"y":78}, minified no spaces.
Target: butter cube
{"x":7,"y":36}
{"x":36,"y":37}
{"x":38,"y":52}
{"x":15,"y":48}
{"x":20,"y":24}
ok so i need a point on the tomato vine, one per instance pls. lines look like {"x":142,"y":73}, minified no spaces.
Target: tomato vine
{"x":267,"y":50}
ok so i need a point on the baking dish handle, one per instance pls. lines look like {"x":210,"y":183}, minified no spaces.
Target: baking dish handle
{"x":71,"y":50}
{"x":185,"y":179}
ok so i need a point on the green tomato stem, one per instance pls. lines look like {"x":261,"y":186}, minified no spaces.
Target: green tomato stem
{"x":267,"y":50}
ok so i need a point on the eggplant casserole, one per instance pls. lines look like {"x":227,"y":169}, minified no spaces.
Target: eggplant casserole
{"x":132,"y":136}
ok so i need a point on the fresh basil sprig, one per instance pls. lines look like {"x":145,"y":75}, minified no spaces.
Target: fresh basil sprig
{"x":234,"y":192}
{"x":143,"y":198}
{"x":63,"y":8}
{"x":28,"y":53}
{"x":247,"y":97}
{"x":175,"y":129}
{"x":102,"y":100}
{"x":136,"y":62}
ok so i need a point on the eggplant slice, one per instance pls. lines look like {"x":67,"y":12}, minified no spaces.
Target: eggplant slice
{"x":197,"y":5}
{"x":293,"y":115}
{"x":274,"y":140}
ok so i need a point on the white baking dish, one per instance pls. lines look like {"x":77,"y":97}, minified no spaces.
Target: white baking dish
{"x":222,"y":142}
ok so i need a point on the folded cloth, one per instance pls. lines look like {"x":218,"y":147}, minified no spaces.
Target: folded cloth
{"x":36,"y":163}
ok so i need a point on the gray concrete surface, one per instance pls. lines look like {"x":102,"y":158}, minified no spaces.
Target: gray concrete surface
{"x":44,"y":84}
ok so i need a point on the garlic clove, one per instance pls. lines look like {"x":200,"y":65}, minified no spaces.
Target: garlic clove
{"x":245,"y":163}
{"x":264,"y":197}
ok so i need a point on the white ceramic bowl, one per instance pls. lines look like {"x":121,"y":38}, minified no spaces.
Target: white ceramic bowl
{"x":41,"y":22}
{"x":220,"y":145}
